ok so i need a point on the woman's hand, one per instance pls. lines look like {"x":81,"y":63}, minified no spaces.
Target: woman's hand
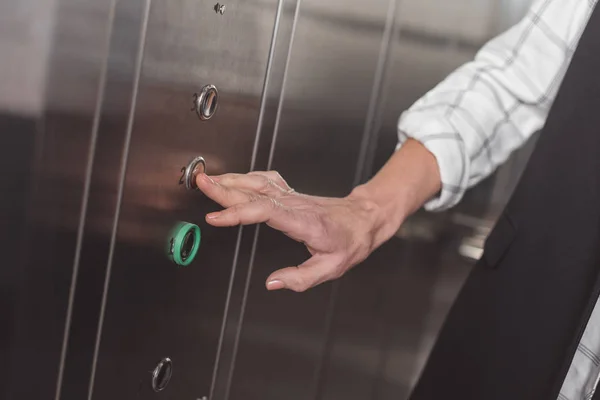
{"x":338,"y":232}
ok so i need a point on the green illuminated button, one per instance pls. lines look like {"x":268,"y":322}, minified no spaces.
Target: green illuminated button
{"x":184,"y":243}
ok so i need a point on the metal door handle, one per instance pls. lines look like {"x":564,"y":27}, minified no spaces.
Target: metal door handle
{"x":206,"y":102}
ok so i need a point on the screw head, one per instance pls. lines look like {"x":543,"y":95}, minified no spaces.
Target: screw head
{"x":220,"y":8}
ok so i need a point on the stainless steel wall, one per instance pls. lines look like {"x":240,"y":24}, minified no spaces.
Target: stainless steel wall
{"x":52,"y":57}
{"x":335,"y":55}
{"x":142,"y":306}
{"x":96,"y":127}
{"x":353,"y":69}
{"x":381,"y":340}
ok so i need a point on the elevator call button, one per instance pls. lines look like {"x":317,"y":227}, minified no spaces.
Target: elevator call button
{"x":183,"y":244}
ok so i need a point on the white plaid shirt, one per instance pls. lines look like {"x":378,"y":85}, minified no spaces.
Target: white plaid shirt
{"x":487,"y":108}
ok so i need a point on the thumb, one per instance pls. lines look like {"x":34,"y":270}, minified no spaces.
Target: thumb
{"x":314,"y":271}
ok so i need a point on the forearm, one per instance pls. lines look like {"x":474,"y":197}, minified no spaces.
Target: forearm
{"x":409,"y":178}
{"x":489,"y":107}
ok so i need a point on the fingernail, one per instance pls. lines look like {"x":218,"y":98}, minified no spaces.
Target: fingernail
{"x":275,"y":285}
{"x":213,"y":215}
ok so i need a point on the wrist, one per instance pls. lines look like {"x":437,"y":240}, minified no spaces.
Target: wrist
{"x":386,"y":213}
{"x":409,"y":178}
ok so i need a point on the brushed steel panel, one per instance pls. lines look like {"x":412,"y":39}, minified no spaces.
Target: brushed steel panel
{"x":461,"y":18}
{"x":269,"y":116}
{"x":326,"y":96}
{"x":154,"y":309}
{"x":26,"y":29}
{"x":390,"y":309}
{"x":110,"y":145}
{"x":52,"y":52}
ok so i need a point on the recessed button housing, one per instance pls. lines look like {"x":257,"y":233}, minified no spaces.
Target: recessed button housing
{"x":161,"y":376}
{"x":183,"y":243}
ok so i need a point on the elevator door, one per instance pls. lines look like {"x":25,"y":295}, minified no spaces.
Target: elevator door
{"x":154,"y":309}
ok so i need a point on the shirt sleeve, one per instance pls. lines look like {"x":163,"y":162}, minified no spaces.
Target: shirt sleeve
{"x":487,"y":108}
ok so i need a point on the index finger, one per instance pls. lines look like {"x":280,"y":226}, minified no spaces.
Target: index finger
{"x":225,"y":196}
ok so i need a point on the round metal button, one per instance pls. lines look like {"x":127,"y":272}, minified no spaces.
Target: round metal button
{"x":206,"y":102}
{"x":162,"y":375}
{"x":195,"y":167}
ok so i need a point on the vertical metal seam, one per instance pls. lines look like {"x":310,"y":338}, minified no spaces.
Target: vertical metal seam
{"x":124,"y":158}
{"x":264,"y":98}
{"x":283,"y":85}
{"x":225,"y":312}
{"x":384,"y":92}
{"x":384,"y":355}
{"x":318,"y":378}
{"x":374,"y":103}
{"x":238,"y":333}
{"x":382,"y":61}
{"x":265,"y":93}
{"x":269,"y":165}
{"x":84,"y":200}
